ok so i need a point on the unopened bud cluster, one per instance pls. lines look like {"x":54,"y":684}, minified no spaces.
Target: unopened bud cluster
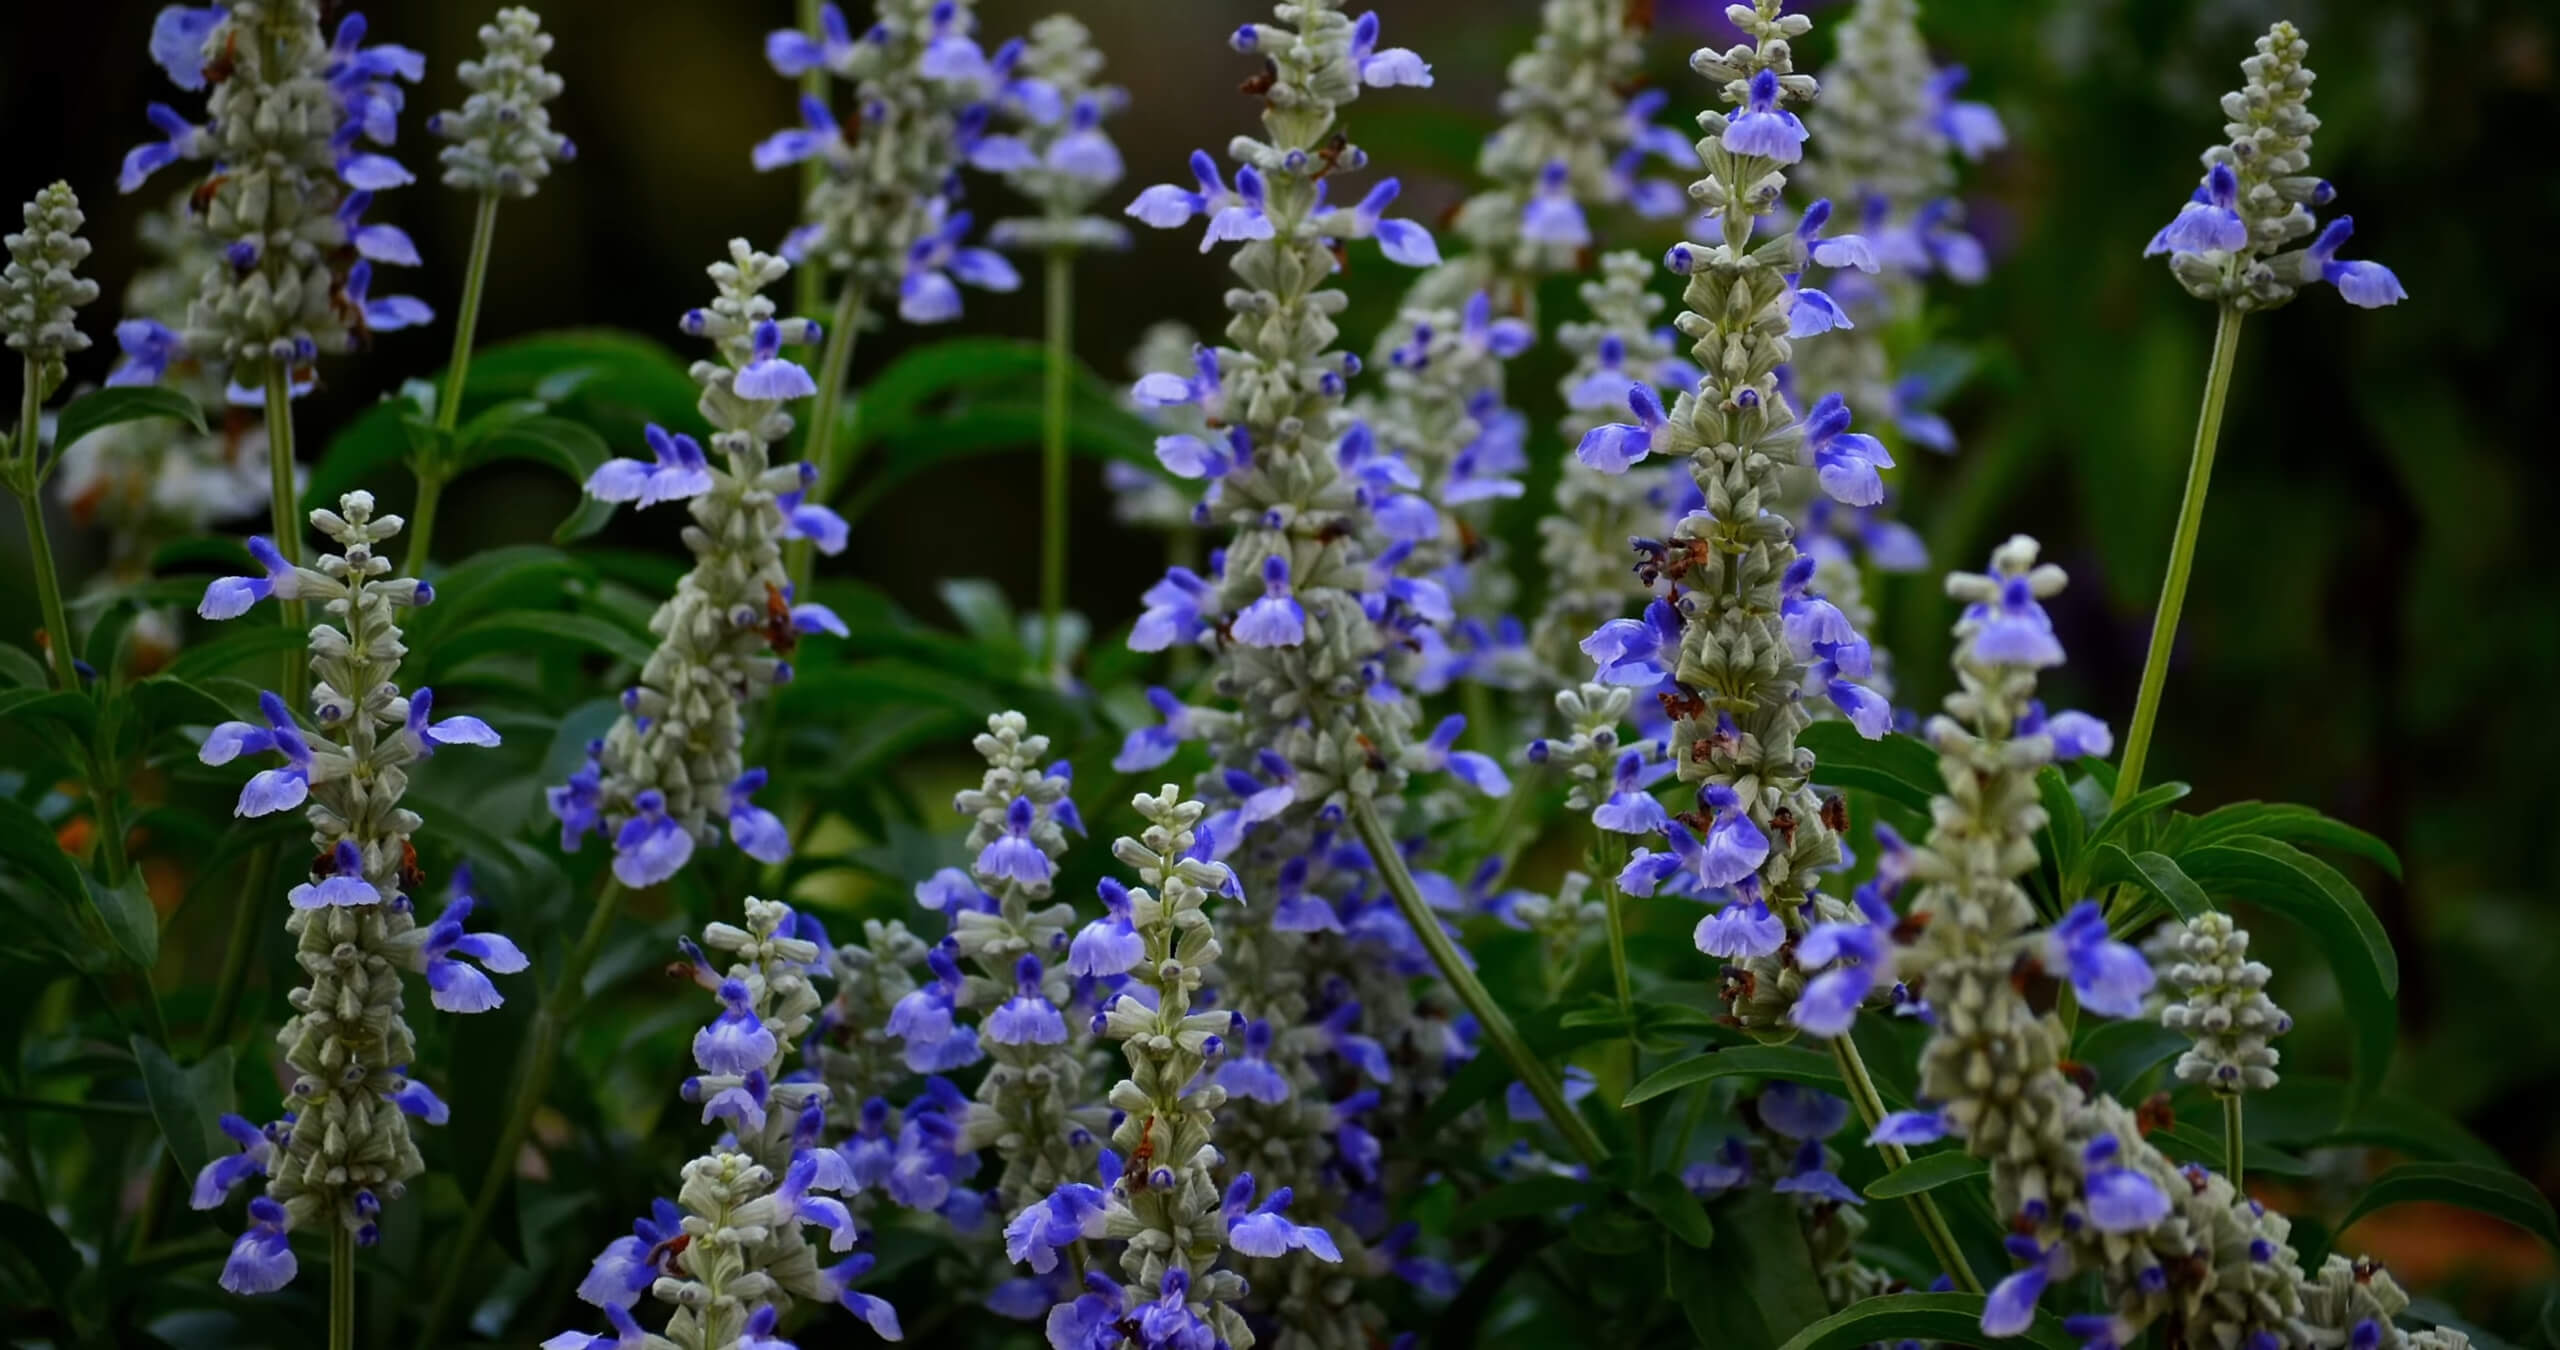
{"x":503,"y":144}
{"x":2225,"y":1007}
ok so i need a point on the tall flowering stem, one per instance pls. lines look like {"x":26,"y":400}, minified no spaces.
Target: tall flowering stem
{"x":343,"y":1148}
{"x":2233,"y":243}
{"x":1159,"y":1193}
{"x":38,"y":294}
{"x":1060,"y":158}
{"x":880,"y":210}
{"x":2080,"y":1188}
{"x":289,"y":121}
{"x":503,"y":147}
{"x":668,"y":777}
{"x":1496,"y":1025}
{"x":743,"y":1217}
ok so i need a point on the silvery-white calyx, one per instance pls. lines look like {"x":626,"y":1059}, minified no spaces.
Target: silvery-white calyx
{"x":503,"y":144}
{"x":2224,"y":1007}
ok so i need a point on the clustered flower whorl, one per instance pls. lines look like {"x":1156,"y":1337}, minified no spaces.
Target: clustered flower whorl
{"x":882,"y":214}
{"x":1740,"y":637}
{"x":42,"y":286}
{"x":2232,"y":241}
{"x":2178,"y":1245}
{"x":746,"y":1203}
{"x":670,"y":767}
{"x":2225,"y":1007}
{"x":1031,"y":1105}
{"x":503,"y":144}
{"x":1159,"y":1194}
{"x":290,"y":115}
{"x":343,"y":1148}
{"x":1302,"y":648}
{"x":1061,"y":158}
{"x":1584,"y":543}
{"x":1571,"y":139}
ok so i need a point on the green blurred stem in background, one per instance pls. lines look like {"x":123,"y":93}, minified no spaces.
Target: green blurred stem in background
{"x":2182,"y":558}
{"x":843,"y":328}
{"x":533,"y":1079}
{"x":288,"y":512}
{"x":1933,"y":1224}
{"x":1495,"y":1023}
{"x":2231,"y":1136}
{"x":475,"y":283}
{"x":342,"y":1288}
{"x":1053,"y":452}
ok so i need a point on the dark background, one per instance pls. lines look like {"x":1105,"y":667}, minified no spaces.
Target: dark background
{"x":2373,"y":627}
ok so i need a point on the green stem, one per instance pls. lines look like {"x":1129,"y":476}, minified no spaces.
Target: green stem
{"x":342,"y":1287}
{"x":288,"y":522}
{"x":1053,"y":452}
{"x":2182,"y":557}
{"x":57,"y":621}
{"x":832,"y":365}
{"x":1496,"y":1025}
{"x":236,"y":949}
{"x":431,"y":474}
{"x":1608,"y":856}
{"x":533,"y":1079}
{"x":1933,"y":1224}
{"x":2231,"y":1136}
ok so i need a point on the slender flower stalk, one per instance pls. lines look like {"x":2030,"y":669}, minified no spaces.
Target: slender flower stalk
{"x":2082,"y":1190}
{"x":2232,"y":243}
{"x":1060,"y":159}
{"x":290,"y":123}
{"x":655,"y":784}
{"x":1159,"y":1192}
{"x":744,"y":1216}
{"x":503,"y":146}
{"x":343,"y":1149}
{"x":38,"y":294}
{"x":882,"y":216}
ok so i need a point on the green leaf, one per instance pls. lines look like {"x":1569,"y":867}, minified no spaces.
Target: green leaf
{"x":2119,"y":1052}
{"x":188,"y":1103}
{"x":1485,"y":1075}
{"x":2065,"y":828}
{"x":366,"y":450}
{"x":1097,"y":431}
{"x":573,"y":448}
{"x":1610,"y":1227}
{"x":621,"y":379}
{"x":46,"y":1252}
{"x":2311,"y":1110}
{"x":1773,"y":1273}
{"x":27,"y":844}
{"x":2493,"y":1191}
{"x":103,"y":408}
{"x":2153,"y":874}
{"x":1953,"y":1318}
{"x":981,"y":608}
{"x":1895,"y":767}
{"x":1520,"y":1199}
{"x":1926,"y":1174}
{"x":1810,"y":1067}
{"x":2302,"y":888}
{"x":131,"y":921}
{"x":2294,"y":824}
{"x":2145,"y":804}
{"x":1677,"y":1209}
{"x":515,"y":630}
{"x":2189,"y":1141}
{"x":19,"y":669}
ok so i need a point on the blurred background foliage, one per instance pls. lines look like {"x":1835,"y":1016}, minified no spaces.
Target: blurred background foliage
{"x":2373,"y":632}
